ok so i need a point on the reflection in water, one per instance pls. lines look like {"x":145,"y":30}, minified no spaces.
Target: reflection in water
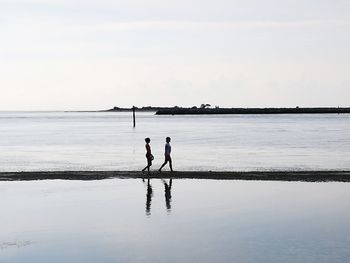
{"x":104,"y":221}
{"x":167,"y":191}
{"x":167,"y":194}
{"x":149,"y":197}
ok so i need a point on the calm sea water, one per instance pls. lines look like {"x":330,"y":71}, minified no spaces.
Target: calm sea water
{"x":106,"y":141}
{"x":127,"y":220}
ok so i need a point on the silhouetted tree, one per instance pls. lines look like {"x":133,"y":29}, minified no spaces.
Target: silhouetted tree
{"x":203,"y":106}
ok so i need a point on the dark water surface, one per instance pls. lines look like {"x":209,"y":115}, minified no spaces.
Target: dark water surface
{"x":128,"y":220}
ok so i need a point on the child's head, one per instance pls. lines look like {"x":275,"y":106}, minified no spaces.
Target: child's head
{"x":168,"y":139}
{"x":147,"y":140}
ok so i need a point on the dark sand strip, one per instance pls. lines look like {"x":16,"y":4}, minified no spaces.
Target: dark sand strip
{"x":306,"y":176}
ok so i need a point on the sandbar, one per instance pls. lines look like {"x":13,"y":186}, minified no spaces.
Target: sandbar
{"x":306,"y":176}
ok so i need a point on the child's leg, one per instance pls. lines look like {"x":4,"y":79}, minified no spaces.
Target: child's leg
{"x":170,"y":164}
{"x":149,"y":164}
{"x":165,"y":162}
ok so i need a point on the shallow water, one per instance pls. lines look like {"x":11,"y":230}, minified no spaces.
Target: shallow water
{"x":121,"y":220}
{"x":106,"y":141}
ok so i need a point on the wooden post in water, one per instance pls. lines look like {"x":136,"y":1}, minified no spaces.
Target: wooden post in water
{"x":133,"y":116}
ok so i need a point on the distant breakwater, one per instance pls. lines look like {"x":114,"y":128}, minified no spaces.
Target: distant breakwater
{"x":297,"y":110}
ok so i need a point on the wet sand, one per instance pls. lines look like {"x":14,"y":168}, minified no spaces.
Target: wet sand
{"x":306,"y":176}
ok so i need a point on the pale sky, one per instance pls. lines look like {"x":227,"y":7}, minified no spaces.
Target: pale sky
{"x":90,"y":55}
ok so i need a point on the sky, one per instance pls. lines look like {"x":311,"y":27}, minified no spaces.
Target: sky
{"x":97,"y":54}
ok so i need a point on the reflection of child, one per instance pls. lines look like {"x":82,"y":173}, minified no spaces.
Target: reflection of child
{"x":167,"y":155}
{"x":167,"y":190}
{"x":149,"y":197}
{"x":149,"y":155}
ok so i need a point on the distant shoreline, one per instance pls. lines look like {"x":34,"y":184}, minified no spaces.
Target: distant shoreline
{"x":304,"y":176}
{"x":297,"y":110}
{"x":210,"y":111}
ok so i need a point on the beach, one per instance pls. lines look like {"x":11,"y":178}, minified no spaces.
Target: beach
{"x":305,"y":176}
{"x":174,"y":131}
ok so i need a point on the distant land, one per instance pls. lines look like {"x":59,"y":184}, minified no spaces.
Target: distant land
{"x":147,"y":108}
{"x":206,"y":109}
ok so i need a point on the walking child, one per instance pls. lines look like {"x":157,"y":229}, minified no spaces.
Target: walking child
{"x":167,"y":155}
{"x":149,"y":155}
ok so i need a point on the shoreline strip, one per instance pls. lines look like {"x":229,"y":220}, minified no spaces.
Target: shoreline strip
{"x":305,"y":176}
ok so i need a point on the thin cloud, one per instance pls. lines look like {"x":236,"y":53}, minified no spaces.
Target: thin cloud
{"x":194,"y":25}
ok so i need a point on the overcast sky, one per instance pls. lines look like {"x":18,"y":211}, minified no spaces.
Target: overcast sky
{"x":87,"y":55}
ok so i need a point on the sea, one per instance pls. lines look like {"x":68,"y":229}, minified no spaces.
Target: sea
{"x":58,"y":141}
{"x":173,"y":220}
